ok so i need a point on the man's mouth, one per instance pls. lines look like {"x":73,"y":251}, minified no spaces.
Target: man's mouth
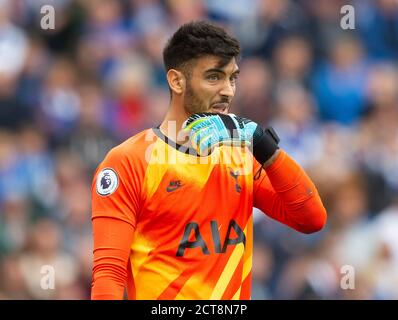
{"x":220,"y":107}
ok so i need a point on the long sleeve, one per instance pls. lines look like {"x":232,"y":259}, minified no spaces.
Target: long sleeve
{"x":286,"y":193}
{"x":115,"y":203}
{"x":112,"y":240}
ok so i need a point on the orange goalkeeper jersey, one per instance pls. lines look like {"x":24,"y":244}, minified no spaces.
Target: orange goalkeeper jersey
{"x":169,"y":224}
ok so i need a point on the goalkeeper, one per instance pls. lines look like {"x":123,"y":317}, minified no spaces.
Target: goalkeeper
{"x":172,"y":206}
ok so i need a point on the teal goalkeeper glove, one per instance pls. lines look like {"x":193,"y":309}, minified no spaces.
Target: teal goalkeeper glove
{"x":208,"y":130}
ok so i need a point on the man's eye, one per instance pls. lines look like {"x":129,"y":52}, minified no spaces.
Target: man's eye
{"x":233,"y":79}
{"x":213,"y":77}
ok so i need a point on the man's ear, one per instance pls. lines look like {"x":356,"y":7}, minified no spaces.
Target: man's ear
{"x":176,"y":80}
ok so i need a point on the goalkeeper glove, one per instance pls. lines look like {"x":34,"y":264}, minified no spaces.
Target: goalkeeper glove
{"x":208,"y":130}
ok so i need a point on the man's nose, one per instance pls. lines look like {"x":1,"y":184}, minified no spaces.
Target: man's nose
{"x":228,"y":90}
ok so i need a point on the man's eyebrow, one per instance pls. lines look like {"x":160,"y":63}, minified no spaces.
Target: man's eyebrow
{"x":221,"y":71}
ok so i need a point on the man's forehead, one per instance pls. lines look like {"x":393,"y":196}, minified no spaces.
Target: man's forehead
{"x":213,"y":62}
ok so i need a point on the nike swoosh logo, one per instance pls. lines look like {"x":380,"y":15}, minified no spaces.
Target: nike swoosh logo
{"x":174,"y":188}
{"x":174,"y":185}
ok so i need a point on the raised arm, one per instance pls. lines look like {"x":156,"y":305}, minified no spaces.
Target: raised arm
{"x":286,"y":193}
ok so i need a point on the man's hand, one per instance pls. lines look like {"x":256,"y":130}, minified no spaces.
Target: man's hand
{"x":208,"y":130}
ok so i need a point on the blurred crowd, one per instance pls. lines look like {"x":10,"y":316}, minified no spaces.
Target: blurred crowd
{"x":70,"y":94}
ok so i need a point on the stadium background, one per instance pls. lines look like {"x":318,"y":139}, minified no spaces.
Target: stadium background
{"x":68,"y":95}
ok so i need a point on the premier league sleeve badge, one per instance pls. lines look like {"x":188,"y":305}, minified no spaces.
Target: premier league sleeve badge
{"x":107,"y":182}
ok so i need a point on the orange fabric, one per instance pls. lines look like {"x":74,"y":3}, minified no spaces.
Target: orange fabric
{"x":112,"y":239}
{"x":174,"y":227}
{"x":286,"y":193}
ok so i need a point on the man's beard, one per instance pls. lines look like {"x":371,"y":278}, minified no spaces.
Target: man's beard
{"x":192,"y":103}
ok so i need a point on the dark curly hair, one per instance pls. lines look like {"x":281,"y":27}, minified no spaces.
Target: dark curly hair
{"x":196,"y":39}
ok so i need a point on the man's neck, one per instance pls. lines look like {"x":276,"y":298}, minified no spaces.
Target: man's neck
{"x":172,"y":124}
